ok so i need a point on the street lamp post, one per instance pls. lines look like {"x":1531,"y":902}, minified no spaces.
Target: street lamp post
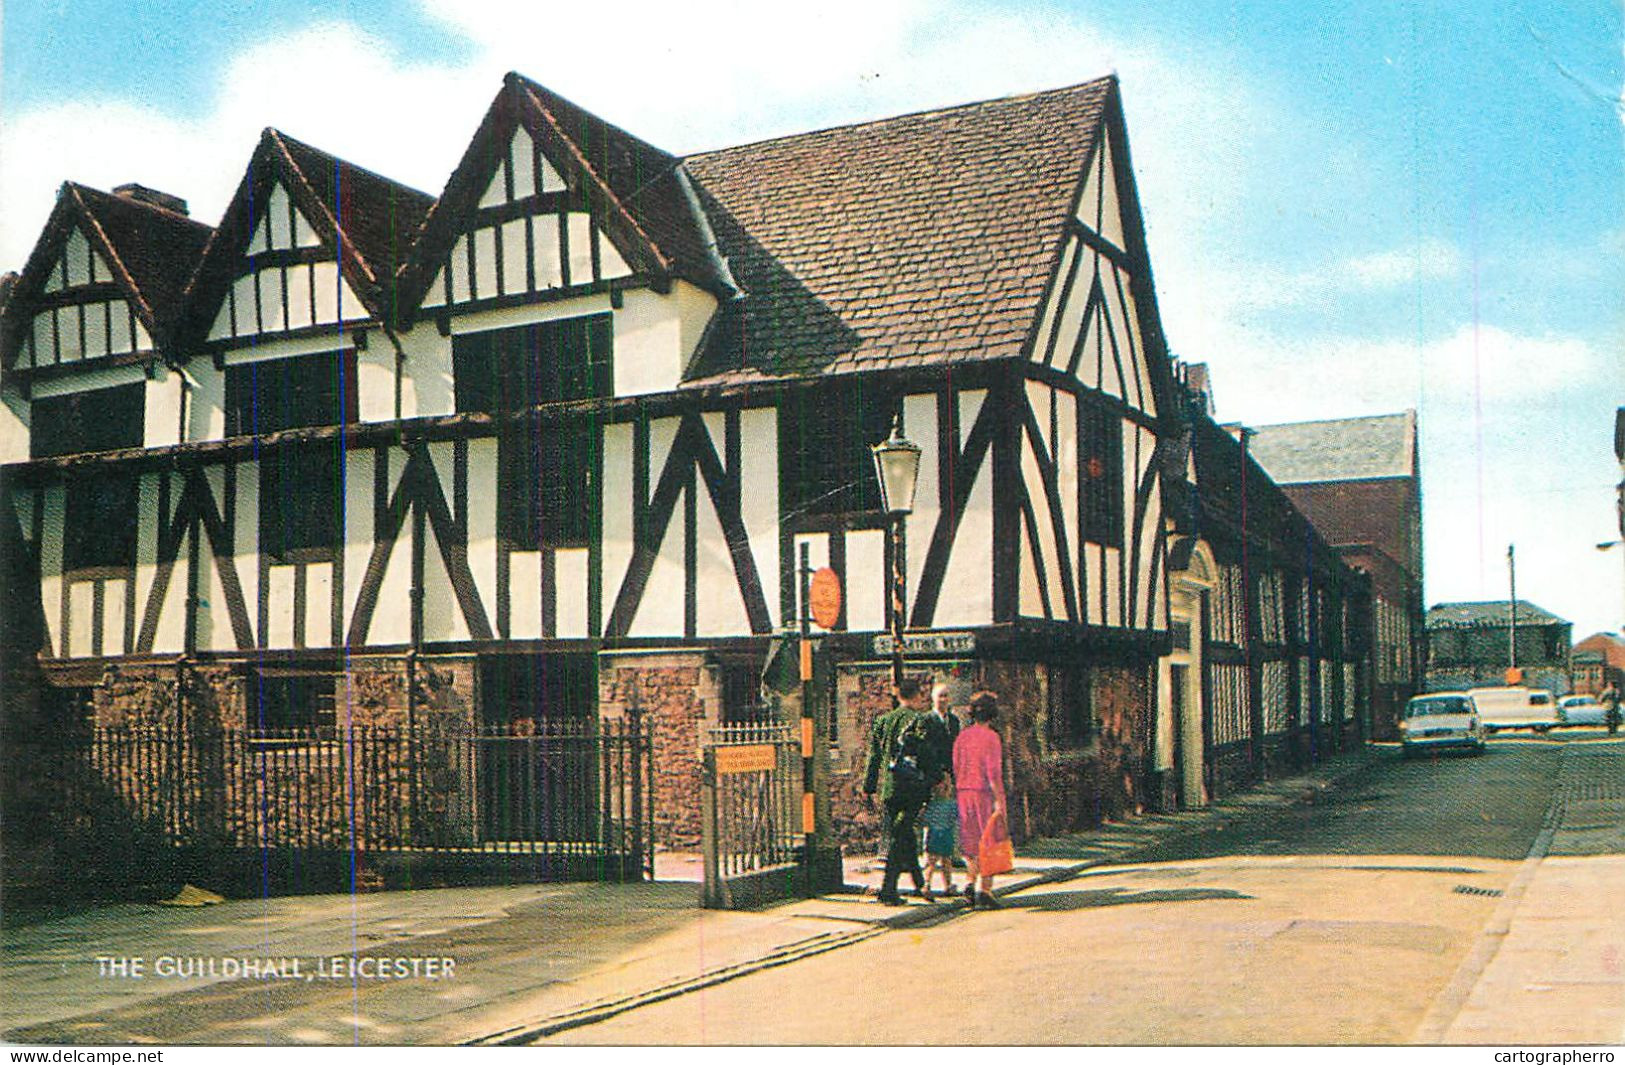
{"x":897,"y":467}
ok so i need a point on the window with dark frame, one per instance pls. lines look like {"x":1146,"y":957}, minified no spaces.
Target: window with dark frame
{"x":742,"y":702}
{"x":292,"y":706}
{"x":1069,"y":713}
{"x":292,"y":393}
{"x":826,"y":467}
{"x":533,"y":688}
{"x":547,"y":477}
{"x":1100,"y":473}
{"x":301,"y":501}
{"x":67,"y":707}
{"x":100,"y":419}
{"x":99,"y":522}
{"x":548,"y":362}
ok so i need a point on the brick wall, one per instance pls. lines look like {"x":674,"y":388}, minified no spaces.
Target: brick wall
{"x":680,"y":697}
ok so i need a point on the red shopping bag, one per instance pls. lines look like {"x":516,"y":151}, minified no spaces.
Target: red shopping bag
{"x":997,"y":855}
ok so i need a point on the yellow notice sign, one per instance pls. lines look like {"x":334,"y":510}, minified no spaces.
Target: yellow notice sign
{"x":752,"y":759}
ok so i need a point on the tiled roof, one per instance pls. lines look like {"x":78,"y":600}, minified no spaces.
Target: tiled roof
{"x":642,"y":177}
{"x":1346,"y":449}
{"x":158,"y":248}
{"x":378,"y":216}
{"x":151,"y":250}
{"x":926,"y":237}
{"x":1487,"y":615}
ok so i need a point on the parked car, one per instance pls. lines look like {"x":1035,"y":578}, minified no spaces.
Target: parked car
{"x":1515,"y":707}
{"x":1441,"y":720}
{"x":1580,"y":710}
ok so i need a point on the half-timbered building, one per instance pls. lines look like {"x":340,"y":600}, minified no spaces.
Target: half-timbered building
{"x":541,"y":453}
{"x":1269,"y":664}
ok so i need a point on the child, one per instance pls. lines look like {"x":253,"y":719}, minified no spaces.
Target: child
{"x":941,"y":819}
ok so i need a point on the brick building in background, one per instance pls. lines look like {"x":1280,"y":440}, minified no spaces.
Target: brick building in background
{"x":1469,"y":646}
{"x":1359,"y":482}
{"x":1596,"y":662}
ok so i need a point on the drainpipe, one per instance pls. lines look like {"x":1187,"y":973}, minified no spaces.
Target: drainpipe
{"x":400,"y":370}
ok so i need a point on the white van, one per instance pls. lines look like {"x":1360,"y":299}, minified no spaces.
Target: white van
{"x":1504,"y":708}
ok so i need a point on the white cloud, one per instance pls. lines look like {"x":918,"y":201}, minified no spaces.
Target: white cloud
{"x":327,"y":85}
{"x":1428,"y":261}
{"x":684,"y":77}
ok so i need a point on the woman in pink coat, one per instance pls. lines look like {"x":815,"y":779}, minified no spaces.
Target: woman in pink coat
{"x":979,"y":782}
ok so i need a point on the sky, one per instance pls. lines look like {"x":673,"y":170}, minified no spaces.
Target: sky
{"x":1351,"y":209}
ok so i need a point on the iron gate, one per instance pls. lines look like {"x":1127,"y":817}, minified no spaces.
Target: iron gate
{"x":751,"y":811}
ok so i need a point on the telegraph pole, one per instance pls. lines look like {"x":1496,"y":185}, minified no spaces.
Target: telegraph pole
{"x":1512,"y":613}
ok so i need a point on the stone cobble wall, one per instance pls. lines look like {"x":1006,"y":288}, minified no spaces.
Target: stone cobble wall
{"x":1049,"y":791}
{"x":173,"y":752}
{"x":678,"y":695}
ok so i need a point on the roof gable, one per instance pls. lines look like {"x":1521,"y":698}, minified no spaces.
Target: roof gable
{"x":533,"y":146}
{"x":367,"y":224}
{"x":145,"y":252}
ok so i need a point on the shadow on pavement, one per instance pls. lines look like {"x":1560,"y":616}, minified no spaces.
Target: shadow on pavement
{"x":1061,"y":901}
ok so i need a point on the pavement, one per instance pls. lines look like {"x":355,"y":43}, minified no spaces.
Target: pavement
{"x":1550,"y":967}
{"x":534,"y":960}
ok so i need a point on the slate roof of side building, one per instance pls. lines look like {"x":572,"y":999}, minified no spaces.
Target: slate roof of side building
{"x":1487,"y":615}
{"x":1342,"y":449}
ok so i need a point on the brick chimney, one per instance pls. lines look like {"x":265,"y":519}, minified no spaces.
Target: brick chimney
{"x":151,"y":197}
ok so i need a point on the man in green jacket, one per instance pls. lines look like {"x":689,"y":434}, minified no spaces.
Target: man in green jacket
{"x":902,"y":793}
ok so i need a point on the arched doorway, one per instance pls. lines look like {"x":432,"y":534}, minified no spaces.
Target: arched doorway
{"x":1192,"y":572}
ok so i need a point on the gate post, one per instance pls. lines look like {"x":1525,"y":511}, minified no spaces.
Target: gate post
{"x":713,"y":887}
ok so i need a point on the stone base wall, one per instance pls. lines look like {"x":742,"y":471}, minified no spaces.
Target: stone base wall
{"x":679,"y":695}
{"x":1050,"y":791}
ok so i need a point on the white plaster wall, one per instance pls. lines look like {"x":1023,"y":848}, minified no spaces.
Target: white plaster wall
{"x":720,"y":607}
{"x":89,"y":381}
{"x":759,"y":505}
{"x":920,"y":426}
{"x":280,"y":598}
{"x":508,"y":317}
{"x":525,"y":595}
{"x":655,"y":336}
{"x":1093,"y":582}
{"x":375,"y":382}
{"x":319,"y":604}
{"x":55,"y":501}
{"x":206,"y":408}
{"x":1114,"y":586}
{"x":482,"y":521}
{"x":360,"y":467}
{"x":967,"y":597}
{"x":161,"y":418}
{"x":115,"y":605}
{"x":660,"y":613}
{"x":392,"y":618}
{"x":81,"y":604}
{"x":570,"y":607}
{"x":442,"y":614}
{"x":617,"y":519}
{"x":866,"y":578}
{"x":246,"y":540}
{"x":1052,"y":305}
{"x":14,"y":421}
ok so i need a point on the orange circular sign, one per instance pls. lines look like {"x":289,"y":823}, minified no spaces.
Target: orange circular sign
{"x":824,"y":596}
